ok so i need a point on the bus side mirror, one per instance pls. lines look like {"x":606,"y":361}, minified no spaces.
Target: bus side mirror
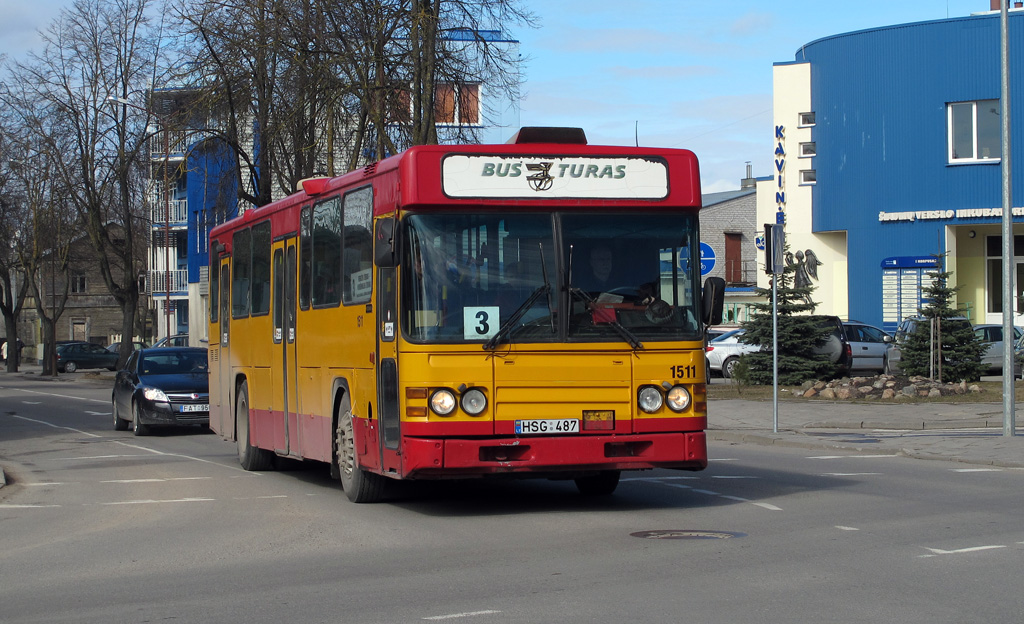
{"x":712,"y":300}
{"x":384,"y":244}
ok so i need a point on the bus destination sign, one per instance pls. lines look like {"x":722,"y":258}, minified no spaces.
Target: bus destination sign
{"x":554,"y":177}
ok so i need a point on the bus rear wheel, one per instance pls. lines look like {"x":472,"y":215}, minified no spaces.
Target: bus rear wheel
{"x":600,"y":484}
{"x":250,"y":457}
{"x":360,"y":486}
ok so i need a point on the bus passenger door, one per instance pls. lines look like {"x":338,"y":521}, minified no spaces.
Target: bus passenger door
{"x":388,"y":416}
{"x":284,"y":336}
{"x":226,"y":387}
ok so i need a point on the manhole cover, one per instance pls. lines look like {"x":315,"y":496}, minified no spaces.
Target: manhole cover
{"x":686,"y":534}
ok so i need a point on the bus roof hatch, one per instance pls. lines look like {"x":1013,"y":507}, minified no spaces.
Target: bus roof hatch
{"x":540,"y":134}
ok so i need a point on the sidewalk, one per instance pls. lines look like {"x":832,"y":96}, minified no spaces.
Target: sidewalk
{"x":961,"y":432}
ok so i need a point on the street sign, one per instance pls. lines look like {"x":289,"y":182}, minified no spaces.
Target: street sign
{"x":707,"y":259}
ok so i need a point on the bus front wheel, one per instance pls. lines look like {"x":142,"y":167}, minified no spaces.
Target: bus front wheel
{"x":360,"y":486}
{"x":249,"y":456}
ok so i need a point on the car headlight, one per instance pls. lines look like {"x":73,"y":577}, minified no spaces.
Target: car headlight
{"x":155,"y":394}
{"x":474,"y":401}
{"x":443,"y":402}
{"x":649,"y":399}
{"x":678,"y":399}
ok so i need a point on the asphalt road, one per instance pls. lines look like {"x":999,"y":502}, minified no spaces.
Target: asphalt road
{"x":101,"y":526}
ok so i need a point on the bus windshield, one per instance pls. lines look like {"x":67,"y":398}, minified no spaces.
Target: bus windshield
{"x":497,"y":277}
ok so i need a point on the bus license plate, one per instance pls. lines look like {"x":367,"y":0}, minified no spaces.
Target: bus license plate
{"x":195,"y":408}
{"x":564,"y":425}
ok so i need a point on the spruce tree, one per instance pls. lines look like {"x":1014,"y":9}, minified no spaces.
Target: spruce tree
{"x":961,"y":348}
{"x":800,"y":334}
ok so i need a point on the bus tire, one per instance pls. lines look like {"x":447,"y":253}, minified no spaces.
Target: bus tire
{"x":360,"y":486}
{"x":250,"y":457}
{"x":600,"y":484}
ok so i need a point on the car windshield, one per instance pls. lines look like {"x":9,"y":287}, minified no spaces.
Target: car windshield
{"x":496,"y":277}
{"x":173,"y":364}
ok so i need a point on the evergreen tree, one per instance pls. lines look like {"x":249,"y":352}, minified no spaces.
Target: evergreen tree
{"x":961,"y":350}
{"x":800,"y":334}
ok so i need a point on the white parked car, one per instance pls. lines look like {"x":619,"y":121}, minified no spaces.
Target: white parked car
{"x":724,"y":352}
{"x":869,"y":346}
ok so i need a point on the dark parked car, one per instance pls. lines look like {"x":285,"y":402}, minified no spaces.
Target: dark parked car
{"x":136,"y":345}
{"x":72,"y":356}
{"x":165,"y":386}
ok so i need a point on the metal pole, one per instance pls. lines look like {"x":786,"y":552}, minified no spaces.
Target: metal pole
{"x":775,"y":352}
{"x":167,"y":226}
{"x":1009,"y":410}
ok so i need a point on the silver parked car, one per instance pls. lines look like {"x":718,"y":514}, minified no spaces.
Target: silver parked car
{"x":869,"y":346}
{"x":993,"y":357}
{"x":724,"y":352}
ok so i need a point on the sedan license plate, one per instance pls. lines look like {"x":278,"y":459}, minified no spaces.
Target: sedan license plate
{"x":195,"y":408}
{"x":540,"y":426}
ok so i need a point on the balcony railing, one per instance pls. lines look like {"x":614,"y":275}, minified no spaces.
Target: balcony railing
{"x":158,"y":210}
{"x":156,"y":283}
{"x":740,"y":272}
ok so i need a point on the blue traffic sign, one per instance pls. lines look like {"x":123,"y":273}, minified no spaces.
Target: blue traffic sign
{"x":707,"y":259}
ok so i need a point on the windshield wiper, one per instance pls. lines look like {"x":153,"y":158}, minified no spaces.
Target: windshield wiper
{"x":627,"y":335}
{"x":518,"y":314}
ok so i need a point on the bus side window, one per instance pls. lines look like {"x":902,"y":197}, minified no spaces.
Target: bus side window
{"x":357,"y":270}
{"x":306,"y":255}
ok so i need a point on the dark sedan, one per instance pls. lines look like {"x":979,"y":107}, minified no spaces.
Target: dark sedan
{"x":162,"y":387}
{"x":72,"y":356}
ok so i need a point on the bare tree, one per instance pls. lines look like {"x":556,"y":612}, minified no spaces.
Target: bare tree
{"x":303,"y":85}
{"x":13,"y":284}
{"x":94,"y":51}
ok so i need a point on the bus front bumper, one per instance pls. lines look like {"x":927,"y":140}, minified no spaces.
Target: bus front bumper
{"x":435,"y":458}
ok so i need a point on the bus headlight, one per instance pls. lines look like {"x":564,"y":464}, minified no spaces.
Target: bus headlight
{"x":649,"y":399}
{"x":474,"y":401}
{"x":443,"y":402}
{"x":678,"y":399}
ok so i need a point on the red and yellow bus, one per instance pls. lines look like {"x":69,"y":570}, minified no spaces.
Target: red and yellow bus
{"x":526,"y":309}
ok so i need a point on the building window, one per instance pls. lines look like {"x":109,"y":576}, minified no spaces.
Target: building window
{"x":78,"y":284}
{"x":808,"y":149}
{"x":973,"y":130}
{"x":806,"y":120}
{"x":808,"y":176}
{"x":457,"y":104}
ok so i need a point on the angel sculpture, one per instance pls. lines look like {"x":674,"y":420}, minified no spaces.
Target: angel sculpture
{"x":806,"y":268}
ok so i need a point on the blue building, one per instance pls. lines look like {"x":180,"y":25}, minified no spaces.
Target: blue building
{"x":886,"y":144}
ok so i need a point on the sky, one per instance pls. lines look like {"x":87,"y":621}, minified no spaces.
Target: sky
{"x":664,"y":73}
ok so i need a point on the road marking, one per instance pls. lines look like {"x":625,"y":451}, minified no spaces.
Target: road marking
{"x":658,"y":479}
{"x":846,"y":528}
{"x":936,"y":551}
{"x":43,"y":422}
{"x":453,"y":616}
{"x":32,"y":402}
{"x":767,"y":506}
{"x":848,"y":474}
{"x":97,"y":413}
{"x":721,"y":459}
{"x":65,"y":396}
{"x":27,"y":506}
{"x":156,"y":502}
{"x":976,"y":469}
{"x":733,"y":477}
{"x":156,"y":480}
{"x":851,"y":456}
